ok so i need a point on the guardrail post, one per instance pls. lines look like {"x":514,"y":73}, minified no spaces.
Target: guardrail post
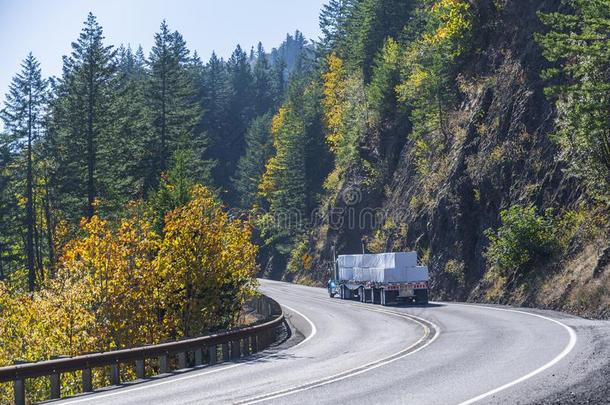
{"x":254,"y":343}
{"x":55,"y":380}
{"x":87,"y":381}
{"x":225,"y":352}
{"x":212,"y":355}
{"x":19,"y":390}
{"x":235,"y":352}
{"x":163,"y":369}
{"x":19,"y":387}
{"x":262,"y":306}
{"x":246,"y":346}
{"x":182,"y":360}
{"x":198,"y":357}
{"x":115,"y":376}
{"x":140,"y":369}
{"x":241,"y":343}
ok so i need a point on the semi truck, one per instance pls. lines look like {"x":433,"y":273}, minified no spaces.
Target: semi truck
{"x":384,"y":278}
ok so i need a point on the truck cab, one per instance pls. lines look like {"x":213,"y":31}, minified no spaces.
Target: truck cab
{"x":332,"y":288}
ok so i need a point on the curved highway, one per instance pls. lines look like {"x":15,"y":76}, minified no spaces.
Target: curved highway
{"x":344,"y":351}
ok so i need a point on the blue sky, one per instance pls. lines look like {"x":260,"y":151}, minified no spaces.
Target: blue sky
{"x":48,"y":27}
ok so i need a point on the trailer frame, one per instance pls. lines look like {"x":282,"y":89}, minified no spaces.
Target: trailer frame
{"x":382,"y":293}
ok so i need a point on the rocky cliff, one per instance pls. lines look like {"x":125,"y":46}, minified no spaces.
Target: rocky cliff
{"x":499,"y":154}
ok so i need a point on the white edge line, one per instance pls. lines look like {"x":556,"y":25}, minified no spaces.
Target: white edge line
{"x":314,"y":330}
{"x":127,"y":390}
{"x":188,"y":377}
{"x":569,"y":347}
{"x":352,"y":372}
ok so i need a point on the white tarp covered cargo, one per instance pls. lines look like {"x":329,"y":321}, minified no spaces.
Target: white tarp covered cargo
{"x":382,"y":268}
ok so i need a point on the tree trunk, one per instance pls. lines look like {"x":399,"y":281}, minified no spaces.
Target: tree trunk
{"x":162,"y":163}
{"x":90,"y":147}
{"x":29,"y":217}
{"x":49,"y":230}
{"x":38,"y":247}
{"x":1,"y":264}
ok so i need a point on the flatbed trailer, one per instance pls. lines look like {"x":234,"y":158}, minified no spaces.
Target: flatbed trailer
{"x":386,"y":279}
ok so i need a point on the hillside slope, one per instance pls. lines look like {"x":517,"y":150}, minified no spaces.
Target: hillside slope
{"x":499,"y":154}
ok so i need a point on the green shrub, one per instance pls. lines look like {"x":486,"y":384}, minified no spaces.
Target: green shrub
{"x":455,"y":268}
{"x":524,"y":239}
{"x":300,"y":260}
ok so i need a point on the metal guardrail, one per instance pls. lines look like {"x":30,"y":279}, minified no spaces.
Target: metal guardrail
{"x":210,"y":349}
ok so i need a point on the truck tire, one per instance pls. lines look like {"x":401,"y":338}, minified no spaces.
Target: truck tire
{"x":374,"y":296}
{"x":421,"y":297}
{"x":346,"y":293}
{"x":366,"y":292}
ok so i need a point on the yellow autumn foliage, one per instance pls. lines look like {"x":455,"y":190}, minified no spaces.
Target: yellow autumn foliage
{"x":206,"y":263}
{"x":288,"y":131}
{"x":453,"y":21}
{"x":122,"y":285}
{"x":449,"y":22}
{"x":275,"y":164}
{"x":334,"y":99}
{"x":346,"y":112}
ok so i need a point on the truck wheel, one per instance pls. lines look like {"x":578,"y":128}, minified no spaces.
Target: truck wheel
{"x":374,"y":294}
{"x":421,"y":297}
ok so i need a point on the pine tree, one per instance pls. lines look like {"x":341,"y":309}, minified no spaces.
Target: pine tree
{"x":577,"y":45}
{"x":214,"y":100}
{"x":202,"y":140}
{"x":11,"y":214}
{"x":172,"y":95}
{"x":278,"y":79}
{"x":215,"y":94}
{"x":294,"y":174}
{"x":240,"y":111}
{"x":81,"y":117}
{"x":91,"y":59}
{"x":174,"y":187}
{"x":130,"y":132}
{"x":264,"y":97}
{"x":251,"y":166}
{"x":333,"y":18}
{"x":23,"y":115}
{"x":283,"y":185}
{"x":428,"y":70}
{"x":369,"y":24}
{"x":291,"y":52}
{"x":385,"y":78}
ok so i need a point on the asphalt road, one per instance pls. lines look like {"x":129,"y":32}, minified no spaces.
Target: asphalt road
{"x":347,"y":352}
